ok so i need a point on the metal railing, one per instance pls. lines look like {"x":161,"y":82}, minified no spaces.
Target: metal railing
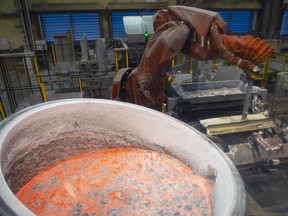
{"x":22,"y":76}
{"x":125,"y":49}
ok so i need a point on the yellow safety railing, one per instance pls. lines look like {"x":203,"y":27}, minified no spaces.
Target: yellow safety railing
{"x":163,"y":108}
{"x":53,"y":54}
{"x":37,"y":70}
{"x":116,"y":61}
{"x":265,"y":74}
{"x":284,"y":62}
{"x":173,"y":63}
{"x":190,"y":66}
{"x":80,"y":85}
{"x":123,"y":48}
{"x":2,"y":110}
{"x":127,"y":58}
{"x":213,"y":64}
{"x":170,"y":79}
{"x":42,"y":87}
{"x":43,"y":92}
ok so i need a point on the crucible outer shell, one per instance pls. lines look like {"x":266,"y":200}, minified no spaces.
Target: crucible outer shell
{"x":42,"y":135}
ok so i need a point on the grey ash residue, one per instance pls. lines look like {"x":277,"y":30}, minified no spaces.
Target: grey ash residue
{"x":77,"y":209}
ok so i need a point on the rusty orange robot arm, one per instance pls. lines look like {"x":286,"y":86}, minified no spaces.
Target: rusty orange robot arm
{"x":195,"y":32}
{"x":245,"y":51}
{"x":145,"y":85}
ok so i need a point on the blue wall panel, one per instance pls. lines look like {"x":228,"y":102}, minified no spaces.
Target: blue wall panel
{"x":54,"y":24}
{"x":284,"y":30}
{"x":86,"y":23}
{"x":240,"y":22}
{"x":78,"y":23}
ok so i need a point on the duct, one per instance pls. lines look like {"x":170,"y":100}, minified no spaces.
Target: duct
{"x":40,"y":136}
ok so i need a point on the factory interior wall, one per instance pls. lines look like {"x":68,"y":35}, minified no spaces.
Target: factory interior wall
{"x":13,"y":32}
{"x":103,"y":7}
{"x":11,"y":35}
{"x":270,"y":19}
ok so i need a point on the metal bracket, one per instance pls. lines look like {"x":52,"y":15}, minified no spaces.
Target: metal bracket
{"x":272,"y":146}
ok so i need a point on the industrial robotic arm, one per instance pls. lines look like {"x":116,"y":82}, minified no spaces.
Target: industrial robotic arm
{"x":196,"y":32}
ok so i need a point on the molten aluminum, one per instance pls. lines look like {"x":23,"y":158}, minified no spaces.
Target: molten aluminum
{"x":118,"y":182}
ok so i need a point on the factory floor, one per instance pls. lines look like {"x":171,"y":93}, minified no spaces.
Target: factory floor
{"x":254,"y":209}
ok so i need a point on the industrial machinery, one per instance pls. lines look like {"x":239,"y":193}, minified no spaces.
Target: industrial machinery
{"x":91,"y":68}
{"x":40,"y":136}
{"x":181,"y":29}
{"x":193,"y":31}
{"x":135,"y":28}
{"x":200,"y":34}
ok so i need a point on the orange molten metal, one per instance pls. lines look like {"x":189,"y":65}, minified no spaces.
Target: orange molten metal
{"x":118,"y":182}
